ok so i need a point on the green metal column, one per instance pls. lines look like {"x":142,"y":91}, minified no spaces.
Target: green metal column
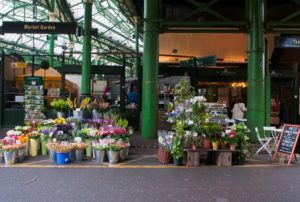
{"x":268,"y":85}
{"x":136,"y":35}
{"x":150,"y":70}
{"x":86,"y":57}
{"x":256,"y":71}
{"x":51,"y":38}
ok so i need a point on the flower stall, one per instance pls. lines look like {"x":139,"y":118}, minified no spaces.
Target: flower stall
{"x":196,"y":128}
{"x":71,"y":139}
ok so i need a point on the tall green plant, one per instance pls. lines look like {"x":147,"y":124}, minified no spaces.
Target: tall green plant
{"x":177,"y":147}
{"x":183,"y":90}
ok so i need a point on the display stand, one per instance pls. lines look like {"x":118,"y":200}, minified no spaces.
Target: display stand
{"x":34,"y":98}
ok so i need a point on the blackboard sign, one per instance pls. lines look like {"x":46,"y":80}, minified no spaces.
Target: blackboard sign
{"x":288,"y":141}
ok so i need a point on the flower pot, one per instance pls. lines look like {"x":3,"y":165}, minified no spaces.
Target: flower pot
{"x":43,"y":145}
{"x":194,"y":147}
{"x":78,"y":154}
{"x":232,"y":147}
{"x":113,"y":156}
{"x":177,"y":162}
{"x":163,"y":156}
{"x":9,"y":157}
{"x":77,"y":114}
{"x":206,"y":143}
{"x":52,"y":155}
{"x":88,"y":150}
{"x":123,"y":154}
{"x":224,"y":145}
{"x":215,"y":145}
{"x":34,"y":146}
{"x":20,"y":155}
{"x":62,"y":158}
{"x":100,"y":154}
{"x":72,"y":155}
{"x":60,"y":115}
{"x":96,"y":115}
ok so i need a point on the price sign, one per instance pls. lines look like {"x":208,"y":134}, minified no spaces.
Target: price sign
{"x":288,"y":141}
{"x":77,"y":139}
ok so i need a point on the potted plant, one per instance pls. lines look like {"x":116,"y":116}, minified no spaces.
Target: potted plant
{"x":100,"y":149}
{"x":51,"y":147}
{"x":177,"y":145}
{"x":78,"y":109}
{"x":183,"y":90}
{"x":1,"y":153}
{"x":214,"y":130}
{"x":62,"y":152}
{"x":34,"y":142}
{"x":60,"y":106}
{"x":196,"y":141}
{"x":9,"y":154}
{"x":45,"y":137}
{"x":79,"y":147}
{"x":165,"y":145}
{"x":113,"y":153}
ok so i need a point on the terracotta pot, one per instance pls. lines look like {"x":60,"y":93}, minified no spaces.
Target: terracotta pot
{"x":232,"y":147}
{"x":164,"y":156}
{"x":206,"y":143}
{"x":224,"y":146}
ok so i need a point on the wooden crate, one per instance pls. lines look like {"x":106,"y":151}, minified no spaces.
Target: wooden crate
{"x":193,"y":158}
{"x":222,"y":158}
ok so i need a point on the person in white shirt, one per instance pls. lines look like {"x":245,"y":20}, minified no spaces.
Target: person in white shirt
{"x":239,"y":109}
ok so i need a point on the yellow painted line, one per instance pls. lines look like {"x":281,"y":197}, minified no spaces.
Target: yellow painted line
{"x":134,"y":160}
{"x":35,"y":162}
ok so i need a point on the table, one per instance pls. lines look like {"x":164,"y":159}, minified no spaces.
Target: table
{"x":276,"y":134}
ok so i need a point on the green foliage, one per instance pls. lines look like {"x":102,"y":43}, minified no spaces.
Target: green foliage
{"x":114,"y":147}
{"x":183,"y":90}
{"x":59,"y":105}
{"x":122,"y":123}
{"x":177,"y":147}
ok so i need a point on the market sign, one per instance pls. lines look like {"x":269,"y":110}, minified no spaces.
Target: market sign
{"x":33,"y":80}
{"x":39,"y":27}
{"x":287,"y":42}
{"x":288,"y":141}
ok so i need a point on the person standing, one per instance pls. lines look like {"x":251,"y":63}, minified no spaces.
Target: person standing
{"x":239,"y":109}
{"x":283,"y":114}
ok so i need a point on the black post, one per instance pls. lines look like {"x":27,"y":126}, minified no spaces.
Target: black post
{"x":63,"y":84}
{"x":122,"y":86}
{"x":32,"y":66}
{"x":1,"y":87}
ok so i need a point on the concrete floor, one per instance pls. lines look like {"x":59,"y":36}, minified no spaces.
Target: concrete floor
{"x":181,"y":184}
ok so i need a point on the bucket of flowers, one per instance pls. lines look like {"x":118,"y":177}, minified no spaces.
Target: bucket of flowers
{"x":79,"y":147}
{"x":62,"y":152}
{"x":34,"y":142}
{"x":60,"y":107}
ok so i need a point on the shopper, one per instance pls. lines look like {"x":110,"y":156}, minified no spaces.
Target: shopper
{"x":132,"y":96}
{"x":239,"y":109}
{"x":283,"y":114}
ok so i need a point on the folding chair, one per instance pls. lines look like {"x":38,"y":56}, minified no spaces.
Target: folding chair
{"x":264,"y":143}
{"x":270,"y":130}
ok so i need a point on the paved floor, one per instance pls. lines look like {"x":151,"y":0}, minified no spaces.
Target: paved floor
{"x":99,"y":184}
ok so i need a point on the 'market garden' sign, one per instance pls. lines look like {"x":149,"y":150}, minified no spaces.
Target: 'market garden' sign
{"x":39,"y":27}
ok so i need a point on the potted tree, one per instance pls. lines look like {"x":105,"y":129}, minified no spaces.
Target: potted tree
{"x":177,"y":146}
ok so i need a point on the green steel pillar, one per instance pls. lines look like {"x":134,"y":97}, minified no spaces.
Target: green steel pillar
{"x":86,"y":57}
{"x":52,"y":17}
{"x":268,"y":86}
{"x":150,"y":70}
{"x":136,"y":36}
{"x":256,"y":71}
